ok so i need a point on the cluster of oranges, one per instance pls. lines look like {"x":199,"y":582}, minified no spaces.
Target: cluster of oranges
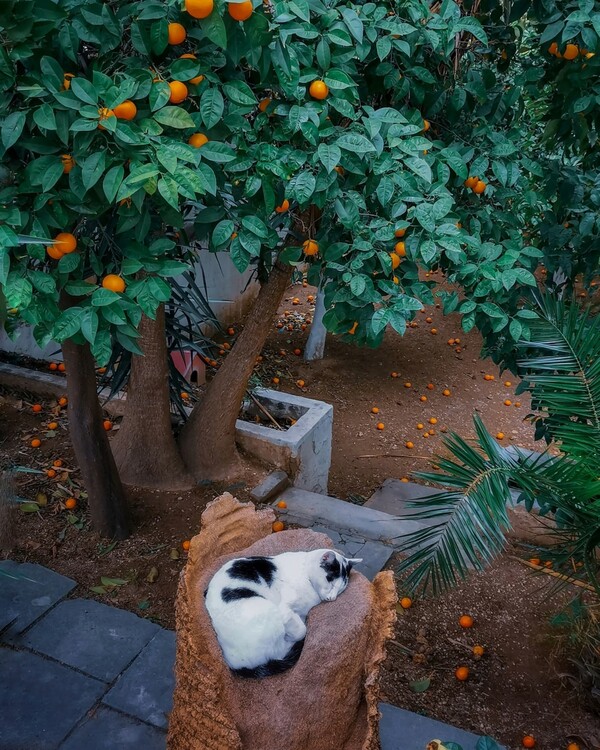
{"x":475,"y":184}
{"x":571,"y":52}
{"x":66,"y":243}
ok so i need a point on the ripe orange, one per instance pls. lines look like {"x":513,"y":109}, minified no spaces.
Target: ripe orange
{"x":423,"y":398}
{"x":179,"y":92}
{"x":535,"y":560}
{"x":104,"y":114}
{"x":310,"y":247}
{"x":400,"y":232}
{"x":126,"y":110}
{"x":479,"y":187}
{"x":507,"y":383}
{"x":340,"y":170}
{"x":58,"y":463}
{"x":297,"y":352}
{"x":395,"y":260}
{"x":184,"y":395}
{"x":470,"y":182}
{"x":282,"y":504}
{"x":465,"y":621}
{"x":318,"y":90}
{"x":53,"y":426}
{"x":409,"y":444}
{"x":36,"y":442}
{"x":375,"y":410}
{"x":432,"y":420}
{"x":380,"y":426}
{"x":53,"y":366}
{"x":429,"y":320}
{"x":393,"y":374}
{"x":263,"y":104}
{"x":433,"y":331}
{"x":408,"y":384}
{"x":61,"y":367}
{"x":553,"y":48}
{"x":450,"y":342}
{"x":65,"y":242}
{"x":283,"y":208}
{"x":462,"y":674}
{"x":186,"y":544}
{"x":529,"y":740}
{"x":177,"y":33}
{"x":446,"y":392}
{"x":420,"y":426}
{"x":278,"y":526}
{"x":573,"y":746}
{"x":67,"y":80}
{"x":114,"y":283}
{"x":197,"y":140}
{"x":240,"y":11}
{"x":507,"y":402}
{"x":488,"y":377}
{"x":199,"y":8}
{"x":300,"y":383}
{"x":426,"y":125}
{"x":478,"y":651}
{"x":499,"y":436}
{"x":404,"y":479}
{"x":107,"y":424}
{"x":570,"y":53}
{"x":406,"y":602}
{"x":62,"y":401}
{"x":37,"y":408}
{"x":50,"y":473}
{"x":400,"y":249}
{"x":430,"y":386}
{"x":70,"y":503}
{"x":68,"y":163}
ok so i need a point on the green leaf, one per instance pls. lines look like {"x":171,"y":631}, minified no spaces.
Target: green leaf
{"x":174,"y":117}
{"x":44,"y":117}
{"x":329,"y":156}
{"x":256,"y":226}
{"x":355,"y":142}
{"x":211,"y":107}
{"x":419,"y":686}
{"x":472,"y":25}
{"x":301,"y":186}
{"x":337,"y":79}
{"x":84,"y":90}
{"x":240,"y":93}
{"x":89,"y":324}
{"x":420,"y":167}
{"x":169,"y":190}
{"x":215,"y":30}
{"x":69,"y":262}
{"x":92,"y":169}
{"x":68,"y":324}
{"x":286,"y":67}
{"x":112,"y":181}
{"x":222,"y":232}
{"x":102,"y":297}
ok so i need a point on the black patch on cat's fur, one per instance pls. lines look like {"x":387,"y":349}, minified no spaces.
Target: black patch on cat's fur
{"x":333,"y":569}
{"x":253,"y":569}
{"x":232,"y":595}
{"x":274,"y":666}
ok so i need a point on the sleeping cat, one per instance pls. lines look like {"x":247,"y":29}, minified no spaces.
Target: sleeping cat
{"x":258,"y":606}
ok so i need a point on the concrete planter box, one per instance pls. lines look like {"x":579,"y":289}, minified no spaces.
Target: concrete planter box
{"x":303,"y":450}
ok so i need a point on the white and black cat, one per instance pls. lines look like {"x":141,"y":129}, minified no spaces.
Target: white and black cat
{"x":258,"y":606}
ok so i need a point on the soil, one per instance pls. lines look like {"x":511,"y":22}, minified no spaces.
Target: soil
{"x":514,"y":689}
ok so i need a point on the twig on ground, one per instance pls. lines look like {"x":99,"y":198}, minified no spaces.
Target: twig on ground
{"x":554,"y":574}
{"x":266,"y":411}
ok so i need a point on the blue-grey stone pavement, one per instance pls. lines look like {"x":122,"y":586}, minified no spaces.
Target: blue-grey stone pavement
{"x":76,"y":674}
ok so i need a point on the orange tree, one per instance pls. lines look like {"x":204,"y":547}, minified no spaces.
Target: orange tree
{"x":373,"y":141}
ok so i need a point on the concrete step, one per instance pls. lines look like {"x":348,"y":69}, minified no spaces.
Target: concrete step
{"x":309,"y":508}
{"x":394,"y":496}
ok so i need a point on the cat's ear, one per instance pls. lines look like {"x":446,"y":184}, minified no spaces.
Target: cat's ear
{"x":328,"y":557}
{"x":353,"y":561}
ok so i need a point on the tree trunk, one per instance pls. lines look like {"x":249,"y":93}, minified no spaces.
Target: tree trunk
{"x":207,"y":441}
{"x":106,"y":498}
{"x":144,"y":447}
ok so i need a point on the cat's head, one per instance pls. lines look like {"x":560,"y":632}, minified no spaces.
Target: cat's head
{"x":332,"y":573}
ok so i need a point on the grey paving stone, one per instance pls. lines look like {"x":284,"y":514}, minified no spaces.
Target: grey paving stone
{"x":334,"y":535}
{"x":40,"y":701}
{"x":271,"y":485}
{"x":310,"y":508}
{"x":93,"y":637}
{"x":393,"y":497}
{"x":374,"y":555}
{"x":27,"y":591}
{"x":404,"y":730}
{"x":109,"y":730}
{"x":145,"y":689}
{"x":32,"y":380}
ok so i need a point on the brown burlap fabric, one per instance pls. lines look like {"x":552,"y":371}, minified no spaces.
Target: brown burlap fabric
{"x":328,"y":701}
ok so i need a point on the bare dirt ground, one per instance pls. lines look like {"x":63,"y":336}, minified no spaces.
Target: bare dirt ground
{"x":514,"y":689}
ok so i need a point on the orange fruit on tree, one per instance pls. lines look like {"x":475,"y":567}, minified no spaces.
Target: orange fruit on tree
{"x":528,"y":741}
{"x":104,"y":114}
{"x":352,"y":331}
{"x":318,"y":89}
{"x":199,"y":8}
{"x":465,"y":621}
{"x":68,"y":163}
{"x":400,"y":249}
{"x":406,"y":602}
{"x":399,"y":232}
{"x":380,"y":426}
{"x":53,"y":426}
{"x":310,"y":247}
{"x":284,"y":207}
{"x":126,"y":110}
{"x":395,"y":260}
{"x":240,"y":11}
{"x":462,"y":674}
{"x":62,"y":401}
{"x":278,"y":526}
{"x":570,"y":53}
{"x":179,"y":92}
{"x":36,"y":442}
{"x":197,"y":140}
{"x":176,"y":33}
{"x":426,"y":125}
{"x":36,"y":408}
{"x":479,"y":187}
{"x":470,"y":182}
{"x":263,"y":104}
{"x":553,"y":48}
{"x":67,"y":80}
{"x":70,"y":503}
{"x":478,"y":651}
{"x":282,"y":504}
{"x":107,"y":424}
{"x":65,"y":242}
{"x":186,"y":544}
{"x":114,"y":283}
{"x":340,"y":170}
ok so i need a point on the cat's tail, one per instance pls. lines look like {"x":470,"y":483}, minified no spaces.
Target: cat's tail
{"x":274,"y":666}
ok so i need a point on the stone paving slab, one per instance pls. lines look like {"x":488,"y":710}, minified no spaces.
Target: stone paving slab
{"x":393,"y":497}
{"x":145,"y":689}
{"x":311,"y":508}
{"x":272,"y":485}
{"x":404,"y":730}
{"x":106,"y":729}
{"x":27,"y":591}
{"x":40,"y":700}
{"x":93,"y":637}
